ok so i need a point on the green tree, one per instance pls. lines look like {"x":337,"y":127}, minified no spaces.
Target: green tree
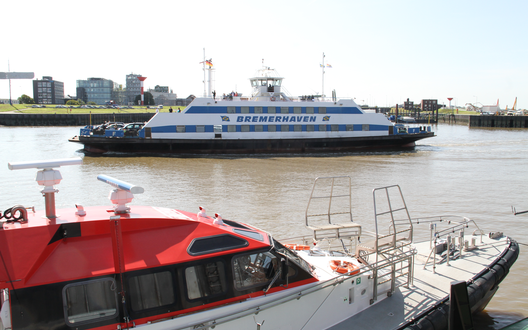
{"x":148,"y":99}
{"x":24,"y":99}
{"x":72,"y":102}
{"x":92,"y":103}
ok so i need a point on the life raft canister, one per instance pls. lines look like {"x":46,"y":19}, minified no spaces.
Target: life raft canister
{"x":297,"y":247}
{"x":344,"y":267}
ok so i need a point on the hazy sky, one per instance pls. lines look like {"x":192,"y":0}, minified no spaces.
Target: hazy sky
{"x":381,"y":52}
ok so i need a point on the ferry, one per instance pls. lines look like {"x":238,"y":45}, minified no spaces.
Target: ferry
{"x":268,"y":122}
{"x":126,"y":266}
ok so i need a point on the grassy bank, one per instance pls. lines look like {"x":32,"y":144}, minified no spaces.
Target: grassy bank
{"x":50,"y":109}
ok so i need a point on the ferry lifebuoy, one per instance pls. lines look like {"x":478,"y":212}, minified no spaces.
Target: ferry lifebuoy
{"x":344,"y":267}
{"x":297,"y":247}
{"x":272,"y":98}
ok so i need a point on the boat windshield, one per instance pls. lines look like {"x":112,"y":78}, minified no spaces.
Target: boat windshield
{"x":292,"y":256}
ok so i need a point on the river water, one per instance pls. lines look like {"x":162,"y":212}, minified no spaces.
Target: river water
{"x":478,"y":173}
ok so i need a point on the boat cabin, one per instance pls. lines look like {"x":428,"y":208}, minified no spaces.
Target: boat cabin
{"x":112,"y":267}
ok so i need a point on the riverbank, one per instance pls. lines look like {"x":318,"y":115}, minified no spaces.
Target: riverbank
{"x":23,"y":119}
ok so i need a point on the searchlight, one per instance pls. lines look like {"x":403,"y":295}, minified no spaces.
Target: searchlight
{"x":47,"y":177}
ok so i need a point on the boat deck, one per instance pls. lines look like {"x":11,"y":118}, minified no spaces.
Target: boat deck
{"x":428,"y":288}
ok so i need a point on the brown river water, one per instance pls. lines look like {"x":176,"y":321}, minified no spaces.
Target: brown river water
{"x":477,"y":173}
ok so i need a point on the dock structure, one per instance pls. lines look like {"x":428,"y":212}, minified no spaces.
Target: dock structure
{"x":499,"y":121}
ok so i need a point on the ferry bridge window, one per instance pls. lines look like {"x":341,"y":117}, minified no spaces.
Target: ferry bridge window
{"x":252,"y":270}
{"x":89,"y":301}
{"x":205,"y":280}
{"x":151,"y":290}
{"x":180,"y":129}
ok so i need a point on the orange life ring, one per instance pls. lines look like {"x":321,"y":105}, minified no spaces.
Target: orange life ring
{"x":272,"y":98}
{"x":297,"y":247}
{"x":344,"y":267}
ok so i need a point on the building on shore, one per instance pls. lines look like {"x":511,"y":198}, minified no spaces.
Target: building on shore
{"x":98,"y":90}
{"x":48,"y":91}
{"x":133,"y":88}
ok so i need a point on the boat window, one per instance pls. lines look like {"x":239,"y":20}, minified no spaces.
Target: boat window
{"x":259,"y":128}
{"x":322,"y":128}
{"x":180,"y":129}
{"x":250,"y":234}
{"x":272,"y":128}
{"x":218,"y":128}
{"x":151,"y":290}
{"x":231,"y":110}
{"x":296,"y":109}
{"x":244,"y":128}
{"x":365,"y":127}
{"x":258,"y":109}
{"x":285,"y":128}
{"x":334,"y":127}
{"x":231,"y":128}
{"x":309,"y":128}
{"x":272,"y":110}
{"x":349,"y":127}
{"x":244,"y":110}
{"x":297,"y":128}
{"x":90,"y":301}
{"x":205,"y":280}
{"x":211,"y":244}
{"x":292,"y":256}
{"x":285,"y":110}
{"x":309,"y":110}
{"x":252,"y":270}
{"x":200,"y":128}
{"x":322,"y":109}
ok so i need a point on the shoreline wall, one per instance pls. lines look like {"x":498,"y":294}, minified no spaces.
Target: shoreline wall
{"x":15,"y":119}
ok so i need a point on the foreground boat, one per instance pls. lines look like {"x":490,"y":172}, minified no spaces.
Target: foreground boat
{"x":269,"y":122}
{"x":129,"y":266}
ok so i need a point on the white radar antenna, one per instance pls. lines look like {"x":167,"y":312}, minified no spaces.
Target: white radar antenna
{"x":47,"y":177}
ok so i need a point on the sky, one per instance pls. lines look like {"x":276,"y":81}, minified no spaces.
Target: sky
{"x":381,"y":51}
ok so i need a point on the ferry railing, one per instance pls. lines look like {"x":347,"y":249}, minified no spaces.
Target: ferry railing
{"x":389,"y":204}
